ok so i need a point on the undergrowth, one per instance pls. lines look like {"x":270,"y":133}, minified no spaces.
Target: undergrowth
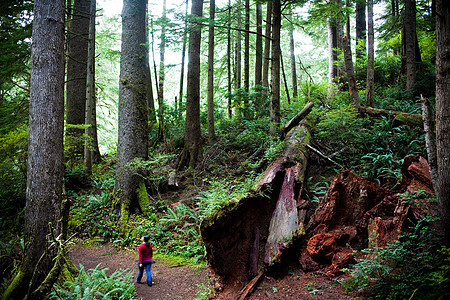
{"x":416,"y":266}
{"x":96,"y":284}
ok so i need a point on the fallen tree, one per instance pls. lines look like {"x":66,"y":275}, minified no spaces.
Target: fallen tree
{"x":250,"y":234}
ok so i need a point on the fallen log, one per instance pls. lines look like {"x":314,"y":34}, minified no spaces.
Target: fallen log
{"x":399,"y":116}
{"x":296,"y":119}
{"x":248,"y":232}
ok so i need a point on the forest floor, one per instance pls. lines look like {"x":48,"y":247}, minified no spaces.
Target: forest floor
{"x":181,"y":281}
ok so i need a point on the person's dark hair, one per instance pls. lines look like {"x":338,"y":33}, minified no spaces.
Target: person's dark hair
{"x":146,"y":238}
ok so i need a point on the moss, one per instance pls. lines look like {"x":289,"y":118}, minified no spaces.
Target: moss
{"x":124,"y":216}
{"x":143,"y":199}
{"x":18,"y":285}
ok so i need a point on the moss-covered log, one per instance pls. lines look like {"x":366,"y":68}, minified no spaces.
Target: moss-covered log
{"x":399,"y":116}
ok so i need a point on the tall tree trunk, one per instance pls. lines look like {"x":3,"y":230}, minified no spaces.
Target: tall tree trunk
{"x":44,"y":195}
{"x":247,"y":50}
{"x":443,"y":111}
{"x":78,"y":36}
{"x":162,"y":75}
{"x":275,"y":74}
{"x":91,"y":151}
{"x":370,"y":100}
{"x":410,"y":46}
{"x":192,"y":151}
{"x":238,"y":74}
{"x":229,"y":106}
{"x":258,"y":46}
{"x":133,"y":110}
{"x":332,"y":51}
{"x":268,"y":34}
{"x":150,"y":96}
{"x":351,"y":74}
{"x":361,"y":29}
{"x":293,"y":65}
{"x":211,"y":131}
{"x":183,"y":59}
{"x":430,"y":139}
{"x":286,"y":88}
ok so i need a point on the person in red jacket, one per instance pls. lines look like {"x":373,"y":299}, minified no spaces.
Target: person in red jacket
{"x":145,"y":260}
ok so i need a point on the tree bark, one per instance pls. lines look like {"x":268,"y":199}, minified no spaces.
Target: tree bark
{"x":351,"y":74}
{"x":192,"y":151}
{"x":258,"y":46}
{"x":370,"y":81}
{"x":247,"y":51}
{"x":150,"y":96}
{"x":410,"y":47}
{"x":297,"y":119}
{"x":91,"y":151}
{"x":238,"y":49}
{"x":44,"y":195}
{"x":361,"y":29}
{"x":133,"y":110}
{"x":183,"y":59}
{"x":229,"y":106}
{"x":78,"y":37}
{"x":293,"y":65}
{"x":211,"y":131}
{"x":162,"y":75}
{"x":267,"y":40}
{"x":332,"y":49}
{"x":443,"y":111}
{"x":430,"y":140}
{"x":275,"y":73}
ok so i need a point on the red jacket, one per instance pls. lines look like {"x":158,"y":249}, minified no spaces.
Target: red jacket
{"x":145,"y":252}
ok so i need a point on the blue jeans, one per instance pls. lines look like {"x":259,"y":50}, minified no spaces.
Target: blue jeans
{"x":147,"y":265}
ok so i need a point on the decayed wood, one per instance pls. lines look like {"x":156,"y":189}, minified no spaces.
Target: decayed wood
{"x":254,"y":253}
{"x":250,"y":286}
{"x":297,"y":119}
{"x":286,"y":220}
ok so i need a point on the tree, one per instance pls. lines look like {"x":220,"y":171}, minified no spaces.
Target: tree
{"x":293,"y":67}
{"x":332,"y":24}
{"x":229,"y":104}
{"x":162,"y":73}
{"x":370,"y":56}
{"x":410,"y":42}
{"x":258,"y":46}
{"x":45,"y":152}
{"x":247,"y":49}
{"x":360,"y":29}
{"x":91,"y":151}
{"x":192,"y":151}
{"x":183,"y":59}
{"x":275,"y":73}
{"x":211,"y":131}
{"x":351,"y":73}
{"x":238,"y":49}
{"x":78,"y":39}
{"x":268,"y":34}
{"x":443,"y":110}
{"x":133,"y":109}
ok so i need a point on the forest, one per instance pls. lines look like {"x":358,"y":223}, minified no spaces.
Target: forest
{"x":270,"y":149}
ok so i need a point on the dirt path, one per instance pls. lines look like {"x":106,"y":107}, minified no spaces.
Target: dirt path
{"x":169,"y":281}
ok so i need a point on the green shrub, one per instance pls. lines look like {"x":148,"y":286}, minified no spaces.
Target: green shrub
{"x":414,"y":266}
{"x":95,"y":284}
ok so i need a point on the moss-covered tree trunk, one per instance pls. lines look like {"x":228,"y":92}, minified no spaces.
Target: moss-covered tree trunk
{"x":45,"y":147}
{"x":133,"y":109}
